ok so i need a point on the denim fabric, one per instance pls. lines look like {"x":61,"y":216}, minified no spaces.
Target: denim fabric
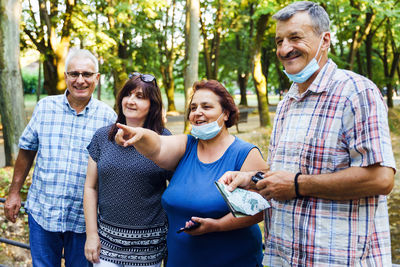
{"x":47,"y":247}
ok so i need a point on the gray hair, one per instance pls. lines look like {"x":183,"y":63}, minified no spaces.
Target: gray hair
{"x":82,"y":53}
{"x":318,"y":15}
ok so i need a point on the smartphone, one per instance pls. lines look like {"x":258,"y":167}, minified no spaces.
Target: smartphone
{"x":194,"y":226}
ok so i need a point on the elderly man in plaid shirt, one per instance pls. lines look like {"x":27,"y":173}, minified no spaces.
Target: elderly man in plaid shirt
{"x":330,"y":156}
{"x":59,"y":131}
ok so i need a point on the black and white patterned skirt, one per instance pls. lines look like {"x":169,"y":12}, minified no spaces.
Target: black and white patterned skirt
{"x":135,"y":246}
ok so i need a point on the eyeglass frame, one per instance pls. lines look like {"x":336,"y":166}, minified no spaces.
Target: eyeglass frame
{"x":70,"y":73}
{"x":147,"y":78}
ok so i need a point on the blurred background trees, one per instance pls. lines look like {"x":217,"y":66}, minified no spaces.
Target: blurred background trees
{"x":234,"y":42}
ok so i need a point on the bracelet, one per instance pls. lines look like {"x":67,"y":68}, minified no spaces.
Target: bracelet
{"x":296,"y":185}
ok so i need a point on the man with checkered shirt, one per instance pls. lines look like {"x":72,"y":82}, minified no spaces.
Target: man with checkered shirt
{"x":59,"y":131}
{"x":330,"y":156}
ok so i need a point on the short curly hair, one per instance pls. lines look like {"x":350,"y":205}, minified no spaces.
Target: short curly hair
{"x":225,"y":99}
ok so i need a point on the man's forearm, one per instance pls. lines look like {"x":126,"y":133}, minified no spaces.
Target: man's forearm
{"x":22,"y":167}
{"x":351,"y":183}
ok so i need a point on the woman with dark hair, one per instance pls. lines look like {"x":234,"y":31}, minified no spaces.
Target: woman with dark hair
{"x":125,"y":222}
{"x":191,"y":197}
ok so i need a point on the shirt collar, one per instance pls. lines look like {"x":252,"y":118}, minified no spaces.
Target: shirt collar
{"x":320,"y":83}
{"x":84,"y":111}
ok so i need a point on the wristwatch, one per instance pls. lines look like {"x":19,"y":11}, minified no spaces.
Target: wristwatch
{"x":257,"y":177}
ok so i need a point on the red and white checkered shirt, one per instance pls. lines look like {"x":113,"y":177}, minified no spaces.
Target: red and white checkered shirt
{"x":339,"y":122}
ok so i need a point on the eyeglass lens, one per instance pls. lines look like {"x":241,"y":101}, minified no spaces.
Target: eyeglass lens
{"x":76,"y":74}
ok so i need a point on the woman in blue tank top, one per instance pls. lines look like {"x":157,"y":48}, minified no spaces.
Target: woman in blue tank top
{"x":199,"y":160}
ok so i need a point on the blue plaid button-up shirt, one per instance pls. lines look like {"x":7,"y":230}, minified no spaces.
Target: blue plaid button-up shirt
{"x":60,"y":135}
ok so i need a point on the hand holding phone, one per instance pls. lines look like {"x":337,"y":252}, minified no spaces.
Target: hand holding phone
{"x":191,"y":227}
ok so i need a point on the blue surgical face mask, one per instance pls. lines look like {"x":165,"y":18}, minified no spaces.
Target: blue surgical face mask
{"x":206,"y":131}
{"x":308,"y":70}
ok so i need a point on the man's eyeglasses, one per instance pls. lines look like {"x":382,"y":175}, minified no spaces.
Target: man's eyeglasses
{"x":147,"y":78}
{"x":75,"y":74}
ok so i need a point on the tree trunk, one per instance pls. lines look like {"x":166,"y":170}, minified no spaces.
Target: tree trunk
{"x":368,"y":52}
{"x":266,"y":60}
{"x":52,"y":45}
{"x":168,"y":60}
{"x":359,"y":35}
{"x":61,"y":54}
{"x":170,"y":86}
{"x":206,"y":48}
{"x":242,"y":75}
{"x":119,"y":80}
{"x":50,"y":75}
{"x":11,"y":92}
{"x":120,"y":74}
{"x":242,"y":81}
{"x":389,"y":95}
{"x":216,"y":41}
{"x":243,"y":72}
{"x":360,"y":63}
{"x":191,"y":51}
{"x":260,"y":82}
{"x":390,"y":71}
{"x":211,"y":53}
{"x":39,"y":83}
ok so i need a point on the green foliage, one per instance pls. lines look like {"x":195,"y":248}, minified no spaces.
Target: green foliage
{"x":394,"y":120}
{"x":128,"y":35}
{"x":5,"y":180}
{"x":30,"y":82}
{"x":265,"y":8}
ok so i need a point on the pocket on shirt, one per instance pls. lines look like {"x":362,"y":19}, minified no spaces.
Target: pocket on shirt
{"x":317,"y":156}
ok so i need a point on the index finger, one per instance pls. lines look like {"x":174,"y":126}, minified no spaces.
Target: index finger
{"x":123,"y":126}
{"x":126,"y":130}
{"x":238,"y":179}
{"x":233,"y":184}
{"x":119,"y":137}
{"x":225,"y":178}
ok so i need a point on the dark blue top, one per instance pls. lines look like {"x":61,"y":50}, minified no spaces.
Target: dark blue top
{"x":132,"y":225}
{"x":192,"y":192}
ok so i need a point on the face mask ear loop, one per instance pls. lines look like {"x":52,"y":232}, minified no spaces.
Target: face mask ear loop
{"x":220,"y":117}
{"x":319,"y":47}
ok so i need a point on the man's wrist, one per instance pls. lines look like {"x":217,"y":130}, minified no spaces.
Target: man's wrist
{"x":14,"y":193}
{"x":296,"y":185}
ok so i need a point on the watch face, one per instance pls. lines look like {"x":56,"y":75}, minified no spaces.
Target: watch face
{"x":257,"y":177}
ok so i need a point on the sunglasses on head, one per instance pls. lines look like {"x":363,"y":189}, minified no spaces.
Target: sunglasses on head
{"x":147,"y":78}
